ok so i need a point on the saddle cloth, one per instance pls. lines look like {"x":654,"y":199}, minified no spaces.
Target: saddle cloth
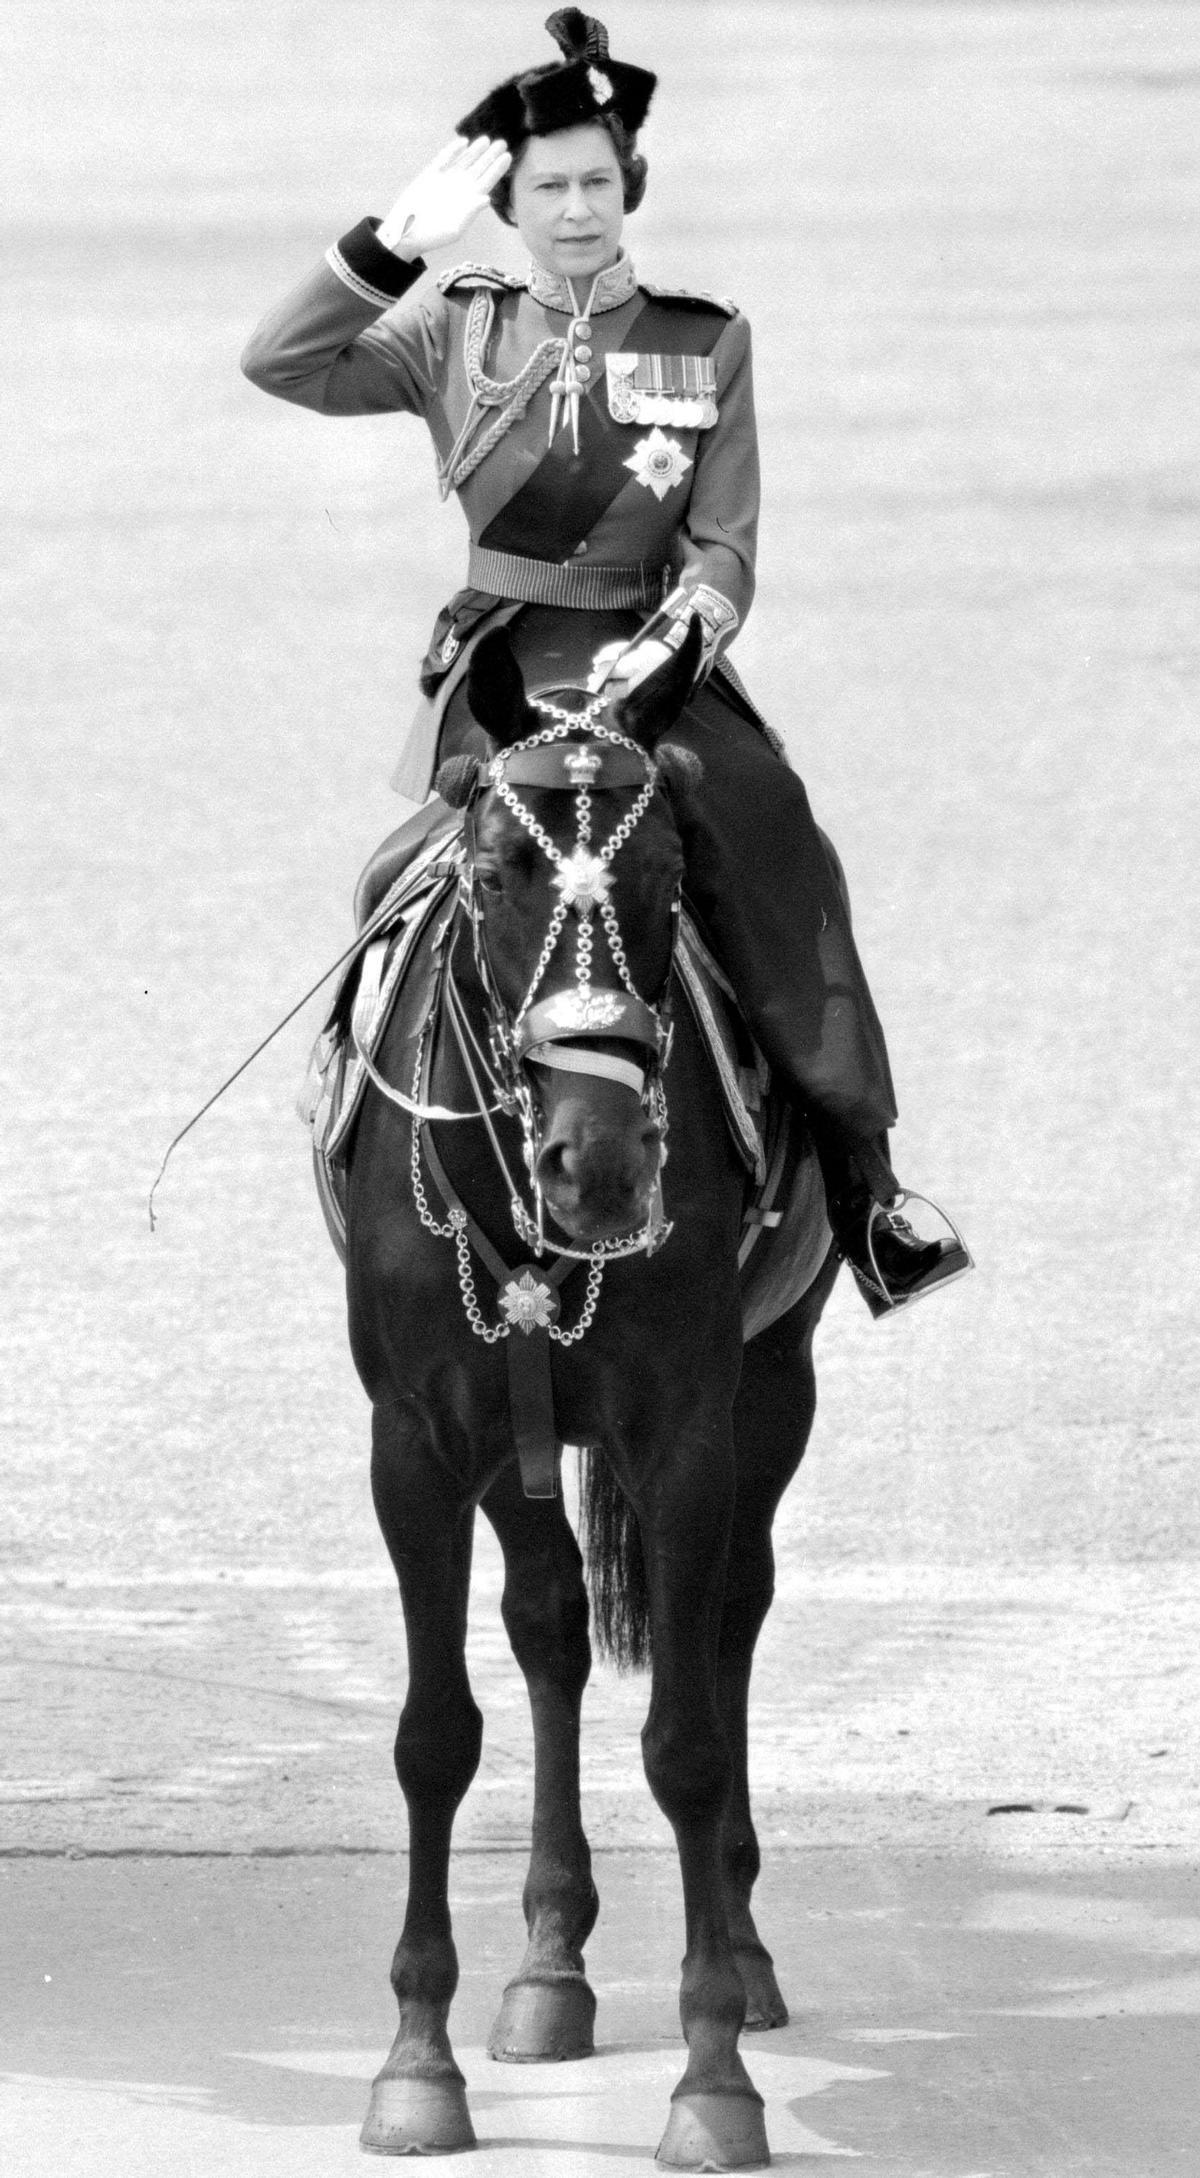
{"x":785,"y":1234}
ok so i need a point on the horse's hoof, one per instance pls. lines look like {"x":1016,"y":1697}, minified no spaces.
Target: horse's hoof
{"x":715,"y":2132}
{"x":765,"y":2006}
{"x":544,"y":2022}
{"x":417,"y":2117}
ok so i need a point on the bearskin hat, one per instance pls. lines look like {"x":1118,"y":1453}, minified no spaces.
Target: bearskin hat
{"x":584,"y":86}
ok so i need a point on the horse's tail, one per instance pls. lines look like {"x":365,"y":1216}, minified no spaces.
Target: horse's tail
{"x":616,"y":1567}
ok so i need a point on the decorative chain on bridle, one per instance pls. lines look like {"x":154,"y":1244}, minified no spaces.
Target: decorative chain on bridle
{"x":556,"y":1031}
{"x":582,"y":879}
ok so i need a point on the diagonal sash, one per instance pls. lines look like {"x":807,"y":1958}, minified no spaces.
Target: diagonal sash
{"x":562,"y":501}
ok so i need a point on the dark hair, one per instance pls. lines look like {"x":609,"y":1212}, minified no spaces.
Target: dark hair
{"x":633,"y":169}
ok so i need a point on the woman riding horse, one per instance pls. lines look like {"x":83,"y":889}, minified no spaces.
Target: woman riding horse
{"x":600,"y":435}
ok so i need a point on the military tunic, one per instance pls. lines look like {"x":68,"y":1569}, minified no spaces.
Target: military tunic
{"x":646,"y":491}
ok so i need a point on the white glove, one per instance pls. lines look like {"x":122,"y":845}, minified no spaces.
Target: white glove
{"x":643,"y":659}
{"x":442,"y":200}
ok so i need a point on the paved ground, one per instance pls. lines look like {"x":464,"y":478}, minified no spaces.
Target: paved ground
{"x":967,"y":2019}
{"x":894,"y":1707}
{"x":966,"y":240}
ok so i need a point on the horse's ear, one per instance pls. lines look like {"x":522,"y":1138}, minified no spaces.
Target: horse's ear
{"x":496,"y":691}
{"x":651,"y":709}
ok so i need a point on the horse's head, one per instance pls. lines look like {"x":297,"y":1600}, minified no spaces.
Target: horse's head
{"x":573,"y":878}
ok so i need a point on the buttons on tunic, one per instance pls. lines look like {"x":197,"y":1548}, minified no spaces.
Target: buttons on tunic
{"x":582,"y":373}
{"x":583,"y":355}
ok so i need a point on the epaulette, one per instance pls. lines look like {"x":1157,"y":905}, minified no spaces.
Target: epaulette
{"x":477,"y":276}
{"x":690,"y":295}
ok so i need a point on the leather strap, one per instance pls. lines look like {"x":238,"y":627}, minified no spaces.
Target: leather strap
{"x":570,"y":765}
{"x":530,"y":1391}
{"x":568,"y":1059}
{"x":609,"y":1015}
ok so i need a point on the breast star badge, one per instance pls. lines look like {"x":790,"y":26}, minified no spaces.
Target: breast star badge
{"x":528,"y":1304}
{"x":659,"y":462}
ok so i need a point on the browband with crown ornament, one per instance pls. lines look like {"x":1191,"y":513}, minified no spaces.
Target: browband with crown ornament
{"x":574,"y":764}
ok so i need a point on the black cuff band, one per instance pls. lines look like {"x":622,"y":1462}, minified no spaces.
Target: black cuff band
{"x":374,"y":272}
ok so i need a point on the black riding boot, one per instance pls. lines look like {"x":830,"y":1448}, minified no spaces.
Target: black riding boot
{"x":892,"y":1267}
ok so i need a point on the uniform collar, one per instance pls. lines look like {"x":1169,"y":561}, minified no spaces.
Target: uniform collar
{"x":608,"y":291}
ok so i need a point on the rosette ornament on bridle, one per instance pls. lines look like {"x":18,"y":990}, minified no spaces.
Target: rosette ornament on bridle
{"x":566,"y":1029}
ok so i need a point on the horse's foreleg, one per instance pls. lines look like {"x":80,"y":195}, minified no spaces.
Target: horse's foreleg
{"x":716,"y":2120}
{"x":418,"y":2101}
{"x":548,"y":2010}
{"x":772,"y":1418}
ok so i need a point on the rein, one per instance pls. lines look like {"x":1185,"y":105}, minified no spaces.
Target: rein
{"x":419,"y":1108}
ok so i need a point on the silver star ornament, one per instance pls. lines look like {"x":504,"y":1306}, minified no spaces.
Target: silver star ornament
{"x":583,"y":881}
{"x":528,"y":1305}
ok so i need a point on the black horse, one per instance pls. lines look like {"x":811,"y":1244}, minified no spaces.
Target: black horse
{"x":554,"y":983}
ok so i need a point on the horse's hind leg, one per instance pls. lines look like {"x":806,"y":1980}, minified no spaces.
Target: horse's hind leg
{"x":548,"y":2009}
{"x":773,"y":1415}
{"x":685,"y":1507}
{"x":418,"y":2101}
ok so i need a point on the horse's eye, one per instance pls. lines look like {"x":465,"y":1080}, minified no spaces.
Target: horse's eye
{"x":490,"y":880}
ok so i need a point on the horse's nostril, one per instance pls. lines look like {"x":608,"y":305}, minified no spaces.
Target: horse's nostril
{"x":551,"y":1161}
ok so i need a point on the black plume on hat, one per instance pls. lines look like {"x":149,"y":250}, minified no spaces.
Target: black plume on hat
{"x":578,"y":36}
{"x":584,"y":86}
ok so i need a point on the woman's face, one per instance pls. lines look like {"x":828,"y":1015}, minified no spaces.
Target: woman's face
{"x":568,"y":200}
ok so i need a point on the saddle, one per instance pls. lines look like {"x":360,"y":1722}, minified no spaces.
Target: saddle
{"x":785,"y":1234}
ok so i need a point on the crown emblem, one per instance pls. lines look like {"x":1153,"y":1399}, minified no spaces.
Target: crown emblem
{"x":582,"y":766}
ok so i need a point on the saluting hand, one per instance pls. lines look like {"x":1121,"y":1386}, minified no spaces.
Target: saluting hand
{"x":440,"y":203}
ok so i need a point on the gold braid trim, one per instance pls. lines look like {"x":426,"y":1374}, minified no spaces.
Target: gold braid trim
{"x":487,"y":392}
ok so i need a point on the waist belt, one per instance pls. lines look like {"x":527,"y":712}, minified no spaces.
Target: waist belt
{"x":565,"y":582}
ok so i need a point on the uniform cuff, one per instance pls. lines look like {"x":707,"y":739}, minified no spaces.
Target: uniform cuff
{"x":375,"y":274}
{"x":718,"y":618}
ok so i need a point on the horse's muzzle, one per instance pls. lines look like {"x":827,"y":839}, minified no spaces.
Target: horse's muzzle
{"x":597,"y":1174}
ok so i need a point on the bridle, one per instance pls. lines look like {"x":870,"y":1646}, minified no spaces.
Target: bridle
{"x":574,"y":754}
